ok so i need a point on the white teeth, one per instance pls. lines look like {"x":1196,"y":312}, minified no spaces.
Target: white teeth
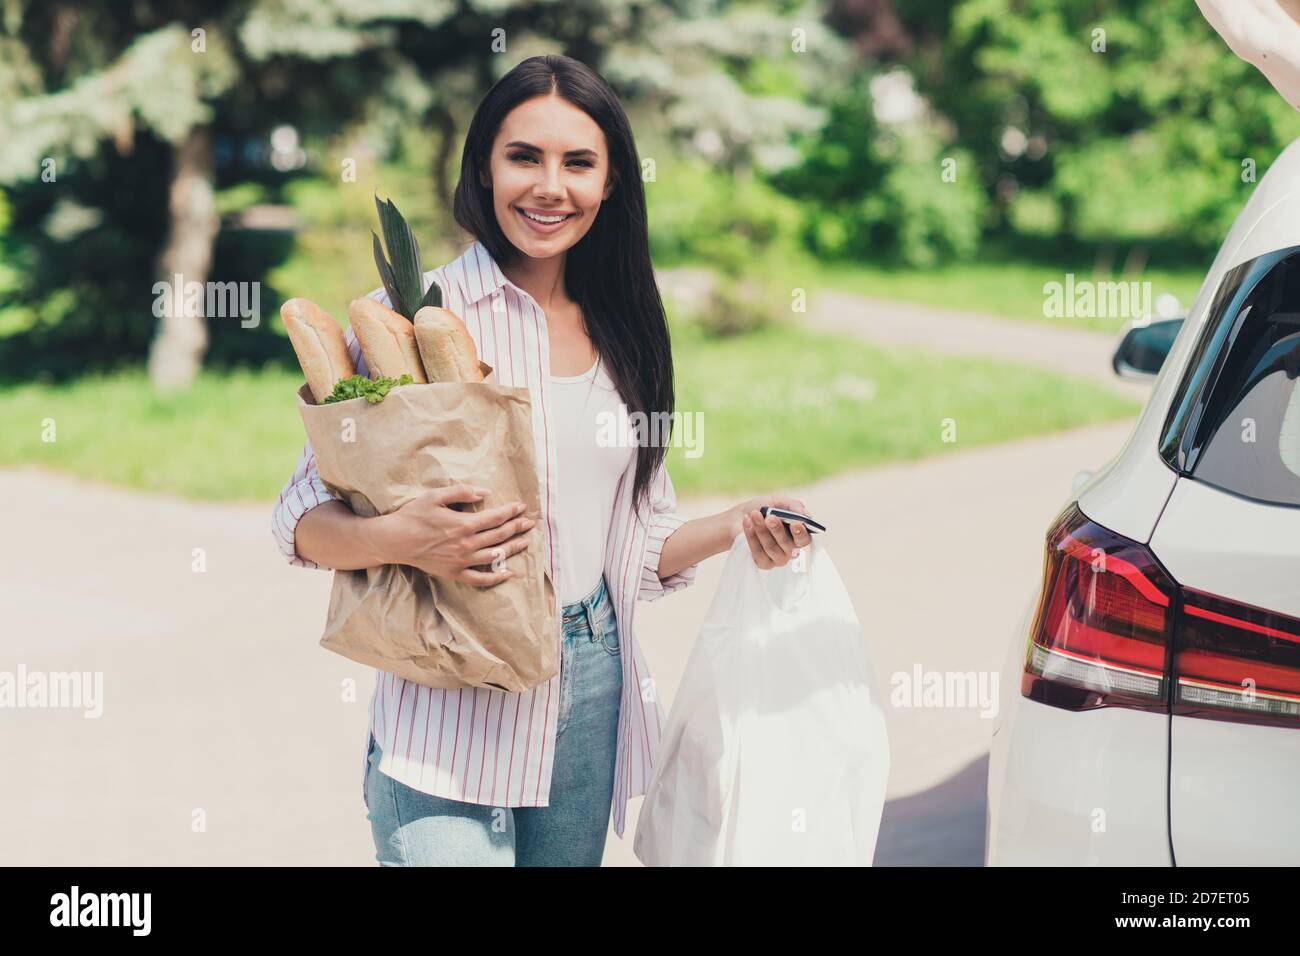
{"x":545,"y":220}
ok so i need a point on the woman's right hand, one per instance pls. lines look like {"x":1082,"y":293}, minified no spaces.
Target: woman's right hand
{"x":429,"y":534}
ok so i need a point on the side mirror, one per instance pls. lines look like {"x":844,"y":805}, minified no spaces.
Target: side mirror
{"x":1144,"y":348}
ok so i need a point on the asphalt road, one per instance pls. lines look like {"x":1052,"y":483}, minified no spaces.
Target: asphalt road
{"x":228,"y":735}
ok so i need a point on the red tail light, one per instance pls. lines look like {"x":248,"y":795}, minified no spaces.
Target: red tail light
{"x":1102,"y":632}
{"x":1236,"y":662}
{"x":1113,"y":629}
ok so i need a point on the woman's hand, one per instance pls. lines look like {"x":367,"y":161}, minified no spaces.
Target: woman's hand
{"x":429,"y":534}
{"x":769,"y":541}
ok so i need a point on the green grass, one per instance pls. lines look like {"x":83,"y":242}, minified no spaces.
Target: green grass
{"x":228,"y":437}
{"x":1004,"y":286}
{"x":784,"y":407}
{"x":780,"y":407}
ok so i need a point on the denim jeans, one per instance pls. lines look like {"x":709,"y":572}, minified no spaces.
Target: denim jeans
{"x":412,"y":828}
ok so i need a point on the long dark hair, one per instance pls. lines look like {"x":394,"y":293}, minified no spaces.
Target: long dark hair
{"x":607,"y":272}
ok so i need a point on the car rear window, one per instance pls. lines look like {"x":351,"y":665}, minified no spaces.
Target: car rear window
{"x":1235,"y":423}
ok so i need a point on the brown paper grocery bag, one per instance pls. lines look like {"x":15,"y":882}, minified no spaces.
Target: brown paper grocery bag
{"x":430,"y":630}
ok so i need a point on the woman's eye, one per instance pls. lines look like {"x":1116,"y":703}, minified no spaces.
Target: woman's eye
{"x":585,"y":162}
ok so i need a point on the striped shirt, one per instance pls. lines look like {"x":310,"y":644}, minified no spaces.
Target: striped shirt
{"x":479,"y":744}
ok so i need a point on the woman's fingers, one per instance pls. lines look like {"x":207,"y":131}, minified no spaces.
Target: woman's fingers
{"x":498,"y":553}
{"x":504,"y":532}
{"x":765,"y":539}
{"x":483,"y":520}
{"x":483,"y":579}
{"x":751,"y":536}
{"x":781,"y":536}
{"x":772,"y":543}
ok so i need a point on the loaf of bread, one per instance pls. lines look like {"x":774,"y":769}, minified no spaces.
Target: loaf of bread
{"x":387,"y":340}
{"x":446,"y":346}
{"x":319,"y":344}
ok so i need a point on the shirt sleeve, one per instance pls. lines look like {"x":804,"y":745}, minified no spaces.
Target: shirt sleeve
{"x":664,"y":520}
{"x":304,"y":490}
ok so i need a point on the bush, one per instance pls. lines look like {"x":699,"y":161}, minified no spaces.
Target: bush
{"x":702,"y":216}
{"x":875,"y":193}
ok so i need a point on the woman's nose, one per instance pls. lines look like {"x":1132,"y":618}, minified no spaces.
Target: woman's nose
{"x":548,"y":183}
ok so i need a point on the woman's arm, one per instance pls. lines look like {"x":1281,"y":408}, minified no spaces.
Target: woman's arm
{"x":314,"y":529}
{"x":696,"y":540}
{"x":426,"y":533}
{"x":769,"y":542}
{"x":332,"y":536}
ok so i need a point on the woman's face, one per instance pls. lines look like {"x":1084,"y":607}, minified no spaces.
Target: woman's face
{"x":548,"y":159}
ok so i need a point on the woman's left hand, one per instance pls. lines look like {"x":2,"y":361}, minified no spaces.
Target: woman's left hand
{"x":769,"y":541}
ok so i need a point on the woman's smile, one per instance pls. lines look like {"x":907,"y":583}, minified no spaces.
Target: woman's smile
{"x":542,"y":220}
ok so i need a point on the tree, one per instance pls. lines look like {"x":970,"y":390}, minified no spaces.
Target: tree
{"x":80,"y":86}
{"x":1107,"y":120}
{"x":105,"y":75}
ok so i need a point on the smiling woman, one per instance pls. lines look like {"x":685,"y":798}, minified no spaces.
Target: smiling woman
{"x":559,"y":295}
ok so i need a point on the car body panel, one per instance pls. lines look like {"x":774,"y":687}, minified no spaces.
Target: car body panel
{"x":1233,"y":786}
{"x":1078,"y":789}
{"x":1243,"y":550}
{"x":1231,"y":799}
{"x":1128,"y":493}
{"x":1233,"y":793}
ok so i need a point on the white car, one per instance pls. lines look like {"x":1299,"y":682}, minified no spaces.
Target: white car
{"x":1150,"y":710}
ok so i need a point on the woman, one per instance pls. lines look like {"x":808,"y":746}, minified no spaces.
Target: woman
{"x":559,"y":296}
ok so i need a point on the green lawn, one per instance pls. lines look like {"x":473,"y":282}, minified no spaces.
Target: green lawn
{"x":999,"y":286}
{"x":784,"y":407}
{"x":779,"y":408}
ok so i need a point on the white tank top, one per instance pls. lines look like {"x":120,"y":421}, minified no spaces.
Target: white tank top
{"x":593,"y":453}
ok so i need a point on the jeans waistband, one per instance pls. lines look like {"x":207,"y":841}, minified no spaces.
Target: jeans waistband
{"x":591,"y":602}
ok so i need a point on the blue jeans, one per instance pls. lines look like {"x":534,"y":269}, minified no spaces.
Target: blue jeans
{"x":412,"y":828}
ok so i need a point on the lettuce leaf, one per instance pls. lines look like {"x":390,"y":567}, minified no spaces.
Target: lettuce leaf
{"x":358,"y":386}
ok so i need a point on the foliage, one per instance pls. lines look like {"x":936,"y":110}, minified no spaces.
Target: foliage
{"x":359,"y":386}
{"x":872,"y":191}
{"x":401,"y":271}
{"x":121,"y":83}
{"x":1110,"y":120}
{"x":703,"y":216}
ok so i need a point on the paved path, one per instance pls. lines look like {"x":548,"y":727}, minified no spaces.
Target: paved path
{"x":229,"y":736}
{"x":1077,"y":352}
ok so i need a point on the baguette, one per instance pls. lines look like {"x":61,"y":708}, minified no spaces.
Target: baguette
{"x":387,"y":340}
{"x":319,"y":344}
{"x":446,"y":346}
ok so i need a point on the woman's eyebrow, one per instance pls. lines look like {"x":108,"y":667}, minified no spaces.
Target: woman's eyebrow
{"x":573,"y":152}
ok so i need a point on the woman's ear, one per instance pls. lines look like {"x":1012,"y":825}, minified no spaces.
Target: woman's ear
{"x":485,"y":179}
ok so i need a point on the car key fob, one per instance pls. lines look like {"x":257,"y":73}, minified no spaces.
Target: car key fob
{"x":787,"y":516}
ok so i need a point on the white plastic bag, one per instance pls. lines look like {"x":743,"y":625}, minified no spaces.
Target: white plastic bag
{"x":775,"y":751}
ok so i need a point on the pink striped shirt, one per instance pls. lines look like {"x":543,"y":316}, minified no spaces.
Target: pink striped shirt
{"x":479,"y":744}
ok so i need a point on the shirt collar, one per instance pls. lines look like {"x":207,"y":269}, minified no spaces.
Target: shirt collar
{"x":477,"y":274}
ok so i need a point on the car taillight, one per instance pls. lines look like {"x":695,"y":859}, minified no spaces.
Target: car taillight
{"x":1236,"y":662}
{"x":1112,"y":629}
{"x":1102,"y":632}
